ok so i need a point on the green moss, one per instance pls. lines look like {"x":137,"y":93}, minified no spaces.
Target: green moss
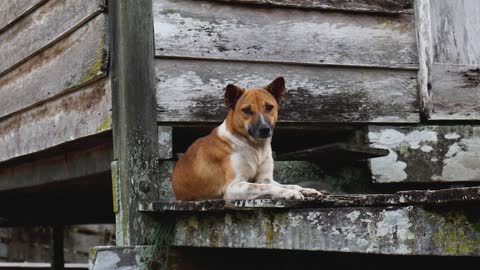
{"x":453,"y":238}
{"x":105,"y":125}
{"x":98,"y":65}
{"x":92,"y":255}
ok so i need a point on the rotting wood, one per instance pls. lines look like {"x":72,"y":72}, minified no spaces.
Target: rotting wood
{"x":425,"y":56}
{"x":135,"y":135}
{"x":75,"y":115}
{"x":369,"y":6}
{"x":64,"y":167}
{"x":334,"y":152}
{"x":206,"y":29}
{"x":76,"y":60}
{"x":13,"y":10}
{"x":426,"y":153}
{"x":192,"y":91}
{"x":42,"y":28}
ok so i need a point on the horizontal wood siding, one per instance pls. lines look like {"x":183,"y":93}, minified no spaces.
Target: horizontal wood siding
{"x":43,"y":27}
{"x":75,"y":115}
{"x":455,"y":72}
{"x":13,"y":10}
{"x":385,"y":6}
{"x":192,"y":91}
{"x":426,"y":154}
{"x":205,"y":29}
{"x":71,"y":62}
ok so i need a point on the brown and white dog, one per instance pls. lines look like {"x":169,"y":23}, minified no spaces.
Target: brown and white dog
{"x":235,"y":160}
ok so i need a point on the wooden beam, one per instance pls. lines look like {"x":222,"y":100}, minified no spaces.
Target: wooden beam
{"x":334,"y":152}
{"x":44,"y":27}
{"x":367,"y":6}
{"x":70,"y":63}
{"x":14,"y":10}
{"x":425,"y":56}
{"x":426,"y":153}
{"x":197,"y":29}
{"x":192,"y":91}
{"x":134,"y":125}
{"x":56,"y":248}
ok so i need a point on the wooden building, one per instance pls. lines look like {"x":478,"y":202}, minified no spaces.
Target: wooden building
{"x":382,"y":110}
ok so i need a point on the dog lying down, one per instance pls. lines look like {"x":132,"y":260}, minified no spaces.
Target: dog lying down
{"x":235,"y":160}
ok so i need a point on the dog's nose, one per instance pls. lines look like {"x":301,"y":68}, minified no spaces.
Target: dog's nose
{"x":264,"y":132}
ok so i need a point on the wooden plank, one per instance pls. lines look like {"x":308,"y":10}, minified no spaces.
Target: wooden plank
{"x":203,"y":29}
{"x":165,"y":142}
{"x":408,"y":230}
{"x":70,"y":63}
{"x":42,"y":28}
{"x":57,"y":260}
{"x":78,"y":114}
{"x":192,"y":91}
{"x":369,"y":6}
{"x":456,"y":92}
{"x":426,"y":153}
{"x":454,"y":30}
{"x":334,"y":152}
{"x":57,"y":168}
{"x":14,"y":10}
{"x":425,"y":56}
{"x":135,"y":135}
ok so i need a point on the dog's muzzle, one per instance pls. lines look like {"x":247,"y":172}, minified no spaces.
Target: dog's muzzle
{"x":261,"y":129}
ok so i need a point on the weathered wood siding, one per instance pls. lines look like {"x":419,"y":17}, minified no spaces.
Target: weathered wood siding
{"x":13,"y":10}
{"x":455,"y":71}
{"x":426,"y":154}
{"x":53,"y":85}
{"x":339,"y":67}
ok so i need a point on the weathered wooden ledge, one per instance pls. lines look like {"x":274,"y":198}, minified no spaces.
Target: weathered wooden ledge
{"x":402,"y":198}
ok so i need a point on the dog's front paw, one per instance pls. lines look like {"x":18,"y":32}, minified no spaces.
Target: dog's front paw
{"x":289,"y":194}
{"x":308,"y":192}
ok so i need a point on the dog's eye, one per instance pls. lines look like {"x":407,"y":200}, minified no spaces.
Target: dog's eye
{"x":269,"y":107}
{"x":247,"y":110}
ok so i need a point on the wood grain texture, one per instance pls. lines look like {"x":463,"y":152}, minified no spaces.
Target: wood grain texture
{"x":13,"y":10}
{"x":455,"y":31}
{"x":370,"y":6}
{"x":456,"y":92}
{"x":426,"y":153}
{"x":192,"y":91}
{"x":81,"y":113}
{"x":43,"y":27}
{"x":73,"y":61}
{"x":425,"y":56}
{"x":203,"y":29}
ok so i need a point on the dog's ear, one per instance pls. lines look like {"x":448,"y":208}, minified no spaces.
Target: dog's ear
{"x":277,"y":89}
{"x":232,"y":94}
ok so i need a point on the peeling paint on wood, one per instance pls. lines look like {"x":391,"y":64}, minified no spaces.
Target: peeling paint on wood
{"x":14,"y":10}
{"x":426,"y":154}
{"x":369,"y":6}
{"x":204,"y":29}
{"x":456,"y":92}
{"x":165,"y":143}
{"x":69,"y":117}
{"x":192,"y":91}
{"x":410,"y":230}
{"x":42,"y":28}
{"x":70,"y":63}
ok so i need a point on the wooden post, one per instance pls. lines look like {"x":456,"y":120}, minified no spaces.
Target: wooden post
{"x":134,"y":122}
{"x":56,"y":248}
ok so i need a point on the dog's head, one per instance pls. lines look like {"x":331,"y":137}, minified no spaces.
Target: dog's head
{"x":254,"y":112}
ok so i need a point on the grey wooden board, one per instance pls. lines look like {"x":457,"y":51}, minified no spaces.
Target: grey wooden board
{"x":455,"y":31}
{"x":43,"y":27}
{"x":192,"y":91}
{"x":165,"y":142}
{"x":409,"y":230}
{"x":426,"y":153}
{"x":75,"y":60}
{"x":205,"y":29}
{"x":13,"y":10}
{"x":386,"y":6}
{"x":456,"y":92}
{"x":64,"y":167}
{"x":334,"y":152}
{"x":78,"y":114}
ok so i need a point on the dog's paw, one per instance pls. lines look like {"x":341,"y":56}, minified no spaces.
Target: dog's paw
{"x":309,"y":192}
{"x":289,"y":194}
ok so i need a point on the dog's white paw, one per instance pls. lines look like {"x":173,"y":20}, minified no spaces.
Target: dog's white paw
{"x":289,"y":194}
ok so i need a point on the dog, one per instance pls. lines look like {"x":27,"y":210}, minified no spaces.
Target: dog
{"x":234,"y":162}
